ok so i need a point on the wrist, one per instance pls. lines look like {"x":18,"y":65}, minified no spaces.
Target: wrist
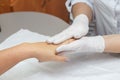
{"x":16,"y":54}
{"x":23,"y":51}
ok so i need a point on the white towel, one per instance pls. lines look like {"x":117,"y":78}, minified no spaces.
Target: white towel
{"x":21,"y":36}
{"x":81,"y":67}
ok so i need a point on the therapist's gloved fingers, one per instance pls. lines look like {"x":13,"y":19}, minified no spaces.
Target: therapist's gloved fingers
{"x":61,"y":59}
{"x":59,"y":38}
{"x":65,"y":52}
{"x":62,"y":39}
{"x":64,"y":48}
{"x":68,"y":47}
{"x":52,"y":39}
{"x":49,"y":40}
{"x":77,"y":36}
{"x":80,"y":34}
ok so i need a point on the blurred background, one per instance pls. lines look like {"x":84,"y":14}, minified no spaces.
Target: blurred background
{"x":53,"y":7}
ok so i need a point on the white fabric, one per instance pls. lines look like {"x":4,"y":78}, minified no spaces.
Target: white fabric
{"x":78,"y":29}
{"x":81,"y":66}
{"x":118,"y":14}
{"x":21,"y":36}
{"x":84,"y":45}
{"x":107,"y":14}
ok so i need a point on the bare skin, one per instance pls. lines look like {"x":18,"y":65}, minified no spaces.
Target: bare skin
{"x":112,"y":43}
{"x":40,"y":50}
{"x":82,"y":8}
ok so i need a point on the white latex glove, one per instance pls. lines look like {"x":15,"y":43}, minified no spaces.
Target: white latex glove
{"x":85,"y":44}
{"x":78,"y":29}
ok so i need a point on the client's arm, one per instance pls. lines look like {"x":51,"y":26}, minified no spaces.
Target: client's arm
{"x":40,"y":50}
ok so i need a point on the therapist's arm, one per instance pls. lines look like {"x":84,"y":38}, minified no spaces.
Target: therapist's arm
{"x":82,"y":15}
{"x":82,"y":8}
{"x":112,"y":43}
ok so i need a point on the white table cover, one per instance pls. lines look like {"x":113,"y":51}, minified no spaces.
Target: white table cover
{"x":80,"y":67}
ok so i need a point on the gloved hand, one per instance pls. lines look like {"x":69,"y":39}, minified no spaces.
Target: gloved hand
{"x":85,"y":44}
{"x":78,"y":29}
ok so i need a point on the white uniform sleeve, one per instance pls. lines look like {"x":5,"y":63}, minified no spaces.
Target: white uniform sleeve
{"x":70,"y":3}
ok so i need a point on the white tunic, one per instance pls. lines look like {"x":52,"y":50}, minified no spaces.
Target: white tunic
{"x":106,"y":12}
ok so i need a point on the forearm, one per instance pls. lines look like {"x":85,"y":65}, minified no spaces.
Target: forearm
{"x":82,"y":8}
{"x":112,"y":43}
{"x":11,"y":56}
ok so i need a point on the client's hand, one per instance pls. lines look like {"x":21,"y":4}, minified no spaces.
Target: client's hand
{"x":44,"y":51}
{"x":40,"y":50}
